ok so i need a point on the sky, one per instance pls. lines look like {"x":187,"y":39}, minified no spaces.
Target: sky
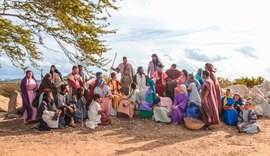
{"x":233,"y":35}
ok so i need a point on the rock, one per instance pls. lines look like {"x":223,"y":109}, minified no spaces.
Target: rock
{"x":256,"y":91}
{"x":222,"y":92}
{"x":15,"y":103}
{"x":265,"y":85}
{"x":259,"y":110}
{"x":240,"y":89}
{"x":3,"y":103}
{"x":265,"y":92}
{"x":11,"y":116}
{"x":258,"y":99}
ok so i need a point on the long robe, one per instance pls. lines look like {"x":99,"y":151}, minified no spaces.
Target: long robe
{"x":141,"y":81}
{"x":126,"y":71}
{"x":244,"y":117}
{"x":173,"y":75}
{"x":210,"y":109}
{"x":162,"y":111}
{"x":230,"y":116}
{"x":161,"y":78}
{"x":115,"y":87}
{"x":180,"y":100}
{"x":74,"y":82}
{"x":46,"y":116}
{"x":128,"y":106}
{"x":80,"y":107}
{"x":94,"y":116}
{"x":194,"y":105}
{"x":106,"y":103}
{"x":150,"y":100}
{"x":28,"y":89}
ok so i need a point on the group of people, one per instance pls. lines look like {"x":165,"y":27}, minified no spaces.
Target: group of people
{"x":167,"y":97}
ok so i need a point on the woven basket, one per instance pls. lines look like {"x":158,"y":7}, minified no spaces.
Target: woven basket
{"x":193,"y":124}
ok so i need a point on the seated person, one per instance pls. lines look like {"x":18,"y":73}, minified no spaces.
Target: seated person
{"x":229,"y":113}
{"x":115,"y":87}
{"x":67,"y":109}
{"x":160,"y":80}
{"x":162,"y":111}
{"x":97,"y":116}
{"x":247,"y":121}
{"x":150,"y":99}
{"x":127,"y":105}
{"x":238,"y":102}
{"x":194,"y":103}
{"x":47,"y":115}
{"x":80,"y":102}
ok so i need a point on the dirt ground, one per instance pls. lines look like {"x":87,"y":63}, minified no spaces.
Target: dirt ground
{"x":134,"y":137}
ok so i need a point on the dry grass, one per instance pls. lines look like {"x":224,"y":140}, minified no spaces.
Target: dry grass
{"x":7,"y":88}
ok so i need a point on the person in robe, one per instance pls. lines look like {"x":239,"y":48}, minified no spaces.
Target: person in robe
{"x":247,"y":121}
{"x":91,"y":88}
{"x":97,"y":116}
{"x":29,"y":87}
{"x":199,"y":76}
{"x":74,"y":81}
{"x":191,"y":79}
{"x":128,"y":105}
{"x":238,"y":102}
{"x":57,"y":79}
{"x":194,"y":103}
{"x":45,"y":84}
{"x":173,"y":75}
{"x":150,"y":99}
{"x":229,"y":113}
{"x":115,"y":87}
{"x":81,"y":112}
{"x":160,"y":80}
{"x":141,"y":79}
{"x":127,"y":72}
{"x":47,"y":115}
{"x":84,"y":77}
{"x":152,"y":66}
{"x":106,"y":95}
{"x":209,"y":102}
{"x":181,"y":80}
{"x":67,"y":116}
{"x":209,"y":67}
{"x":162,"y":111}
{"x":179,"y":106}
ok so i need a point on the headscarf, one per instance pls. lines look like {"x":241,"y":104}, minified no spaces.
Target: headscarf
{"x":152,"y":86}
{"x":228,"y":96}
{"x":194,"y":95}
{"x":199,"y":76}
{"x":100,"y":82}
{"x":183,"y":88}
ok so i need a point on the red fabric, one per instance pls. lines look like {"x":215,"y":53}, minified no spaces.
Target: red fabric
{"x":173,"y":74}
{"x":161,"y":88}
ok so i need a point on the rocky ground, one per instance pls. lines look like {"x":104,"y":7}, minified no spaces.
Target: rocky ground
{"x":134,"y":137}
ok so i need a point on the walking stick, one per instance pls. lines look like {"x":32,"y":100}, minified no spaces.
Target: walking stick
{"x":113,"y":63}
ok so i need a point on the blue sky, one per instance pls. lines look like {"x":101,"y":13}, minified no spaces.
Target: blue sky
{"x":233,"y":35}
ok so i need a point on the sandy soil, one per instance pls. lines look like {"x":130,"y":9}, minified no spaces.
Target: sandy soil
{"x":135,"y":137}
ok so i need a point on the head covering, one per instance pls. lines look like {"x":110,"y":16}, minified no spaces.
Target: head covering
{"x":183,"y":88}
{"x":199,"y":76}
{"x":228,"y":96}
{"x":152,"y":86}
{"x":194,"y":95}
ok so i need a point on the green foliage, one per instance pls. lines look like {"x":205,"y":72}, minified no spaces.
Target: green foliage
{"x":79,"y":23}
{"x":223,"y":82}
{"x":8,"y":88}
{"x":249,"y":82}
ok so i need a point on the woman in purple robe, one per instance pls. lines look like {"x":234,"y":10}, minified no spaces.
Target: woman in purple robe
{"x":29,"y":87}
{"x":180,"y":104}
{"x":150,"y":98}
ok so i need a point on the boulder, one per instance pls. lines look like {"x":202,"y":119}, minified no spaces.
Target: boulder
{"x":256,"y":91}
{"x":259,"y":110}
{"x":3,"y":103}
{"x":265,"y":85}
{"x":240,"y":89}
{"x":258,"y":99}
{"x":15,"y":103}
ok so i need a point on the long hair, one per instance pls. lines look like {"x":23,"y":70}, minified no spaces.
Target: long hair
{"x":185,"y":72}
{"x":46,"y":78}
{"x":79,"y":93}
{"x":157,"y":60}
{"x":56,"y":71}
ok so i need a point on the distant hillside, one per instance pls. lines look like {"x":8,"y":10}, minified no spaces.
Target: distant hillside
{"x":13,"y":81}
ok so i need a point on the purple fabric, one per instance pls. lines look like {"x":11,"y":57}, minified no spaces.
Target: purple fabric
{"x":177,"y":114}
{"x":25,"y":98}
{"x":147,"y":105}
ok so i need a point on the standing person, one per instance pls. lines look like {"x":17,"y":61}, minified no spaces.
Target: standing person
{"x":97,"y":116}
{"x":29,"y":87}
{"x":179,"y":106}
{"x":74,"y":81}
{"x":209,"y":67}
{"x":173,"y":75}
{"x":115,"y":87}
{"x":229,"y":113}
{"x":91,"y":88}
{"x":84,"y":77}
{"x":56,"y":76}
{"x":67,"y":116}
{"x":160,"y":78}
{"x":126,"y":71}
{"x":47,"y":115}
{"x":209,"y":102}
{"x":152,"y":66}
{"x":247,"y":121}
{"x":141,"y":79}
{"x":199,"y":76}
